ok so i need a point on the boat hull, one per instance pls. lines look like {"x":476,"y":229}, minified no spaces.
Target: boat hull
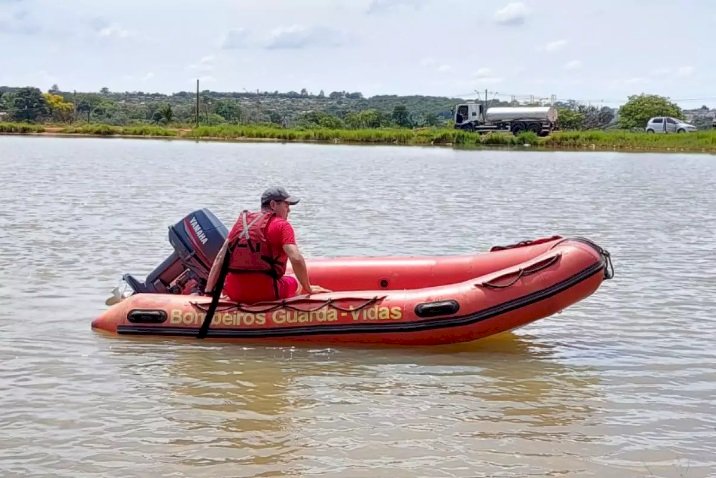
{"x":465,"y":307}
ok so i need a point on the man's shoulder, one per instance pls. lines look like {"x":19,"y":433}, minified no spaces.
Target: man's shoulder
{"x":279,"y":224}
{"x":279,"y":221}
{"x":281,"y":231}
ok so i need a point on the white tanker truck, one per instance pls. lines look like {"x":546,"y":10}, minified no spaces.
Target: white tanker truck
{"x":541,"y":120}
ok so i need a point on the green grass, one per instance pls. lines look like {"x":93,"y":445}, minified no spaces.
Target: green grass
{"x":148,"y":130}
{"x":589,"y":140}
{"x":616,"y":140}
{"x":22,"y":128}
{"x":423,"y":136}
{"x":636,"y":141}
{"x":108,"y":130}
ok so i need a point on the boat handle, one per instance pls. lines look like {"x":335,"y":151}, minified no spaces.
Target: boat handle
{"x":520,"y":273}
{"x":146,"y":316}
{"x":270,"y":306}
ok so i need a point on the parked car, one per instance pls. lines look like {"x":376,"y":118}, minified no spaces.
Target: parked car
{"x":667,"y":124}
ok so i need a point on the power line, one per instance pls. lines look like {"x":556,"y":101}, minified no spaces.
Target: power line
{"x":522,"y":97}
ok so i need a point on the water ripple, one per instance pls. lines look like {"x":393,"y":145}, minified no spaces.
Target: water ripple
{"x":621,"y":384}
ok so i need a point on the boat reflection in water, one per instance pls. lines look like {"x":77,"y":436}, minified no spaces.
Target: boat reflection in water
{"x":308,"y":410}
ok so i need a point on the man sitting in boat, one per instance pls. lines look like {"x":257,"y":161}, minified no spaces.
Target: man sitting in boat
{"x":260,"y":244}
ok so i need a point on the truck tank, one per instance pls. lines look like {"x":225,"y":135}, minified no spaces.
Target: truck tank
{"x":501,"y":113}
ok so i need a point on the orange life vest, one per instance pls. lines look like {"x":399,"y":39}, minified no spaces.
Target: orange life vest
{"x":250,"y":250}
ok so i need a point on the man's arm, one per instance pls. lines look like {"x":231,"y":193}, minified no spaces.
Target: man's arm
{"x":299,"y":268}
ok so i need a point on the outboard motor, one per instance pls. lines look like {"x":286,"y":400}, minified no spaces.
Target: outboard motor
{"x":197,"y":240}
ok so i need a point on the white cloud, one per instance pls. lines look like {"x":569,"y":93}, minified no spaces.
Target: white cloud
{"x":236,"y":39}
{"x":486,"y":75}
{"x":631,"y":84}
{"x":18,"y":23}
{"x":299,"y":36}
{"x":114,"y":31}
{"x":98,"y":23}
{"x":47,"y":78}
{"x":573,"y":65}
{"x":205,"y":64}
{"x":555,"y":45}
{"x":141,"y":78}
{"x":431,"y":63}
{"x":6,"y":19}
{"x":378,"y":6}
{"x":666,"y":73}
{"x":513,"y":13}
{"x":684,"y":71}
{"x":660,"y":72}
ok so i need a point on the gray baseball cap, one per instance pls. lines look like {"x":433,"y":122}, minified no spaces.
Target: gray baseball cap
{"x":277,"y":193}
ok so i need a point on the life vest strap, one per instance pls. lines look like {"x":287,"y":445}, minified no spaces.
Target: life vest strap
{"x":246,"y":227}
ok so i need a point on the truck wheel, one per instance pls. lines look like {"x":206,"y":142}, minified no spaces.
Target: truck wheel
{"x":517,"y":128}
{"x":535,"y":128}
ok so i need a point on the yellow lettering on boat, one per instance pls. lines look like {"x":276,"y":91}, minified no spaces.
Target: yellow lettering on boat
{"x":232,"y":318}
{"x":189,"y":318}
{"x":324,"y":314}
{"x":175,"y":317}
{"x":377,"y":313}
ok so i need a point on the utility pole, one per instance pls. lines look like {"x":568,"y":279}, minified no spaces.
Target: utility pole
{"x":197,"y":101}
{"x":258,"y":105}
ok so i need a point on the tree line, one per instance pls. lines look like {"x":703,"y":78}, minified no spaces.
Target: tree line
{"x":337,"y":110}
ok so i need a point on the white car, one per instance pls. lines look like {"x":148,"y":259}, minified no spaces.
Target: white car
{"x":667,"y":124}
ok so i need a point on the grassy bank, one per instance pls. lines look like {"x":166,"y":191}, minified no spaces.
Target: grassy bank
{"x":107,"y":130}
{"x":369,"y":136}
{"x":702,"y":141}
{"x":20,"y":128}
{"x":629,"y":141}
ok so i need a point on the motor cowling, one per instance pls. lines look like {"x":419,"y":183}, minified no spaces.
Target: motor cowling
{"x":196,"y":240}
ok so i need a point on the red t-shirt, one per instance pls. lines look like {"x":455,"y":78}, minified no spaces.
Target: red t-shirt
{"x":250,"y":287}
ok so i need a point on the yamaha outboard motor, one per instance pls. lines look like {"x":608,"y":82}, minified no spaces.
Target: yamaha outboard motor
{"x":197,"y":240}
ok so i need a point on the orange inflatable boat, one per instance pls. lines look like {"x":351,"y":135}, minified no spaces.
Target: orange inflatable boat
{"x":392,"y":301}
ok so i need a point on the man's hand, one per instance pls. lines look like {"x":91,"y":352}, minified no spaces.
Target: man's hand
{"x":317,"y":289}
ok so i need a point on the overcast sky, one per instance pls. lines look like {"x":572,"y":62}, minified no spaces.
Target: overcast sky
{"x":591,"y":51}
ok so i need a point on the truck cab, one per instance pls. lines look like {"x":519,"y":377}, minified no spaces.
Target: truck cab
{"x":467,"y":114}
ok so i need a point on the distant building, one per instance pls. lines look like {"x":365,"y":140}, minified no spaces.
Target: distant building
{"x":700,"y":113}
{"x":3,"y":115}
{"x":703,"y":118}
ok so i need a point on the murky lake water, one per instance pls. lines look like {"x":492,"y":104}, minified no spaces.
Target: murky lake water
{"x":622,"y":384}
